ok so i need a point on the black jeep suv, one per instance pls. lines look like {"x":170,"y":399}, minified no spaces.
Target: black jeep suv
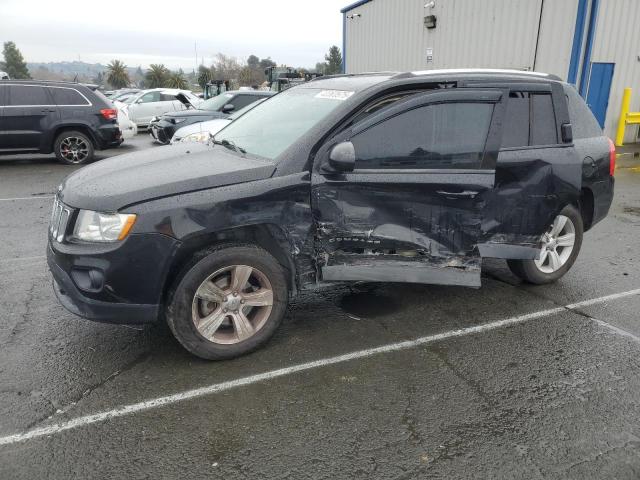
{"x":413,"y":177}
{"x":70,"y":119}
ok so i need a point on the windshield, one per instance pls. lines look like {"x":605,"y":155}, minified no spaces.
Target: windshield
{"x":215,"y":103}
{"x":273,"y":126}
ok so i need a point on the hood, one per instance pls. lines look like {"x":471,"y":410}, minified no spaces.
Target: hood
{"x":185,"y":100}
{"x":111,"y":184}
{"x":196,"y":113}
{"x":211,"y":126}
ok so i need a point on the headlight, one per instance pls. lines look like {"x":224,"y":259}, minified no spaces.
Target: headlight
{"x":155,"y":119}
{"x":177,"y":120}
{"x":200,"y":137}
{"x":102,"y":227}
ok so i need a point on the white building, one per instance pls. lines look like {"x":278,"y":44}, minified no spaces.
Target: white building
{"x":594,"y":44}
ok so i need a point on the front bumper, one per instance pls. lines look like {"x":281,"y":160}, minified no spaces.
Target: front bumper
{"x":115,"y":284}
{"x":162,"y":131}
{"x":74,"y":301}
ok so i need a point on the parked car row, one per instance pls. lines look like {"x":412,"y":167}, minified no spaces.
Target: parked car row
{"x":163,"y":128}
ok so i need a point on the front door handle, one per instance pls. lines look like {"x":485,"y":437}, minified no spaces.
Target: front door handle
{"x":464,"y":194}
{"x":47,"y":110}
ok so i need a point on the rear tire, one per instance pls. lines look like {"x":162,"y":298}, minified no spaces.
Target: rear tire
{"x":73,"y":148}
{"x":229,"y":301}
{"x":555,"y":260}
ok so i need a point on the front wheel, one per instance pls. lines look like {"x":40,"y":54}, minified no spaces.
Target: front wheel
{"x":229,"y":302}
{"x":560,"y":247}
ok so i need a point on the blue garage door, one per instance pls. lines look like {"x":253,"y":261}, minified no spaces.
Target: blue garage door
{"x":599,"y":88}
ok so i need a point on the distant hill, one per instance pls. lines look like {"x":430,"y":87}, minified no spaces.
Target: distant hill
{"x":85,"y":72}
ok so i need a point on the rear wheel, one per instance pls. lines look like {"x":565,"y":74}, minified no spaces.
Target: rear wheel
{"x":560,"y":247}
{"x":73,"y":148}
{"x":229,"y":302}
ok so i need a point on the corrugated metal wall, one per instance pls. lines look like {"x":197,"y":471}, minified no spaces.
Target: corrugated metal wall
{"x":390,"y":34}
{"x":617,"y":41}
{"x":556,"y":37}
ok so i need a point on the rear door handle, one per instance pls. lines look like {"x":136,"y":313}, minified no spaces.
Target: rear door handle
{"x":47,"y":110}
{"x":464,"y":194}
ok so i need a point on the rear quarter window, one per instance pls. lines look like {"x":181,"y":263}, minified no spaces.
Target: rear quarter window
{"x":67,"y":96}
{"x":583,"y":123}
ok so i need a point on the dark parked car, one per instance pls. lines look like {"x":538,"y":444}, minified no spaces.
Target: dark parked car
{"x":162,"y":128}
{"x":414,"y":177}
{"x":70,"y":119}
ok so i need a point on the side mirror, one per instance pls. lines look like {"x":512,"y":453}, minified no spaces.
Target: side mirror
{"x":567,"y":132}
{"x":342,"y":157}
{"x":229,"y":107}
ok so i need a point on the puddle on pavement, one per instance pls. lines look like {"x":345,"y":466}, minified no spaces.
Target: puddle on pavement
{"x":369,"y":304}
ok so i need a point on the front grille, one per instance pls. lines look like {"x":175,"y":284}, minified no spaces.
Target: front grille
{"x":59,"y":220}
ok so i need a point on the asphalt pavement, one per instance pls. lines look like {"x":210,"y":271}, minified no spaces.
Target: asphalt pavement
{"x":378,"y":381}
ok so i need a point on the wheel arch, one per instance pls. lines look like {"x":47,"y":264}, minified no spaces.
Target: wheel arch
{"x":79,"y":127}
{"x":268,"y":236}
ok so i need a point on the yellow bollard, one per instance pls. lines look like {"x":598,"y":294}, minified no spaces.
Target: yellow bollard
{"x":622,"y":121}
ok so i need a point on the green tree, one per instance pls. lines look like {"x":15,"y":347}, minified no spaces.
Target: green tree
{"x":14,"y":63}
{"x":204,"y":76}
{"x":177,"y":80}
{"x":117,"y":75}
{"x":156,"y":76}
{"x":334,"y":61}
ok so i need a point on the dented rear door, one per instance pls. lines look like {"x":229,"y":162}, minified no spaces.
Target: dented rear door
{"x":412,"y":209}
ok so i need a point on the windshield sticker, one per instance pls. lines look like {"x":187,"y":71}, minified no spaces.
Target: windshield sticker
{"x":334,"y":94}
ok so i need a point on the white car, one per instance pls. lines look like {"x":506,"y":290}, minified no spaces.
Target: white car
{"x":128,"y":128}
{"x":202,"y":132}
{"x":147,"y":104}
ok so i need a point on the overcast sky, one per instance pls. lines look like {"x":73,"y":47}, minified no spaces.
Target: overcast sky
{"x":296,"y":33}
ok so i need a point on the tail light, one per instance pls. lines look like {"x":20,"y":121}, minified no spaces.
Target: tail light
{"x":109,"y":113}
{"x":612,"y":158}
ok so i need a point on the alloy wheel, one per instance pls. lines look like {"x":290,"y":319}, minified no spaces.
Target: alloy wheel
{"x":74,"y":149}
{"x":232,"y":304}
{"x":557,"y":245}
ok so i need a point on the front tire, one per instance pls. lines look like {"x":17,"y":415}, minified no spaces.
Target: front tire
{"x":73,"y":148}
{"x":229,"y":302}
{"x":560,"y":247}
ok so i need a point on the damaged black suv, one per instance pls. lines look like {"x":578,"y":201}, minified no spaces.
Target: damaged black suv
{"x":412,"y":177}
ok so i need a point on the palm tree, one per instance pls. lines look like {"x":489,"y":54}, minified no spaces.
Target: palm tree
{"x":117,"y":75}
{"x":177,"y":80}
{"x":156,"y":76}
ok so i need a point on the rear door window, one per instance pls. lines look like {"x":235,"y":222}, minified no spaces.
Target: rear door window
{"x":27,"y":95}
{"x":68,"y":96}
{"x":447,"y":135}
{"x":166,"y":97}
{"x":150,"y":97}
{"x":530,"y":120}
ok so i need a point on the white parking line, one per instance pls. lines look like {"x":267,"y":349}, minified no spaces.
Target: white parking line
{"x":35,"y":197}
{"x":23,"y":259}
{"x":261,"y":377}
